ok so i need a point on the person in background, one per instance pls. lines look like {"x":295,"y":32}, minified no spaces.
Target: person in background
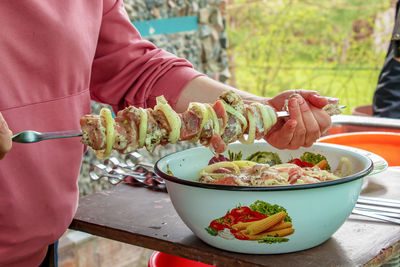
{"x":386,"y":100}
{"x":57,"y":56}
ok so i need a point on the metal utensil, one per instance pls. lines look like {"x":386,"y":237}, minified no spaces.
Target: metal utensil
{"x":114,"y":163}
{"x":392,"y":203}
{"x":378,"y":208}
{"x":391,"y":212}
{"x":286,"y":113}
{"x":134,"y":175}
{"x":33,"y":136}
{"x":376,"y":216}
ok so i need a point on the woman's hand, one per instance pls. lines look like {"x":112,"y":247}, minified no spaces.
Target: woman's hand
{"x":307,"y":121}
{"x":5,"y":137}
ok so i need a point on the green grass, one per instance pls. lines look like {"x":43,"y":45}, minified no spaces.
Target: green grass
{"x":287,"y":44}
{"x":353,"y":87}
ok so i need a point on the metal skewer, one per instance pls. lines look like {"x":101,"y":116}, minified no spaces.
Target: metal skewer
{"x":285,"y":113}
{"x":33,"y":136}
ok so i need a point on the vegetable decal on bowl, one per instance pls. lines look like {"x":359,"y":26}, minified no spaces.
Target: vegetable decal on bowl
{"x":260,"y":222}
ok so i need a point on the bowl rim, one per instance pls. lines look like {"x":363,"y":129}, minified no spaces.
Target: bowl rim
{"x":367,"y":133}
{"x":347,"y":179}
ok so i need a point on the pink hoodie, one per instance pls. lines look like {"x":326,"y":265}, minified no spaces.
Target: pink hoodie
{"x":55,"y":56}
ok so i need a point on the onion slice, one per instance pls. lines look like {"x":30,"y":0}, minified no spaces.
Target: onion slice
{"x":268,"y":115}
{"x":237,"y":114}
{"x":172,"y":117}
{"x":272,"y":115}
{"x":252,"y":129}
{"x":210,"y":169}
{"x":264,"y":116}
{"x":244,"y":163}
{"x":110,"y":134}
{"x":214,"y":118}
{"x":142,"y":127}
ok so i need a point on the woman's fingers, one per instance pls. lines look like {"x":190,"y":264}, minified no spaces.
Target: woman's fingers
{"x":281,"y":134}
{"x":300,"y":132}
{"x":302,"y":129}
{"x":316,"y":104}
{"x":315,"y":99}
{"x":308,"y":129}
{"x":311,"y":125}
{"x":306,"y":109}
{"x":5,"y":137}
{"x":323,"y":119}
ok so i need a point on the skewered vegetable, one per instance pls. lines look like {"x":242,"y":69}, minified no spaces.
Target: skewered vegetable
{"x":214,"y":125}
{"x":109,"y":132}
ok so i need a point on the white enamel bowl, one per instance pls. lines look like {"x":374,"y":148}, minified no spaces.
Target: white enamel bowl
{"x":316,"y":210}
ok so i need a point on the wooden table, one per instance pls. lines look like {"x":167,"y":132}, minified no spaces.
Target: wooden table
{"x":146,"y":218}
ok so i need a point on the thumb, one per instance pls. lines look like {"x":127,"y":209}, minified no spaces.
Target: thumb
{"x":321,"y":101}
{"x":5,"y":137}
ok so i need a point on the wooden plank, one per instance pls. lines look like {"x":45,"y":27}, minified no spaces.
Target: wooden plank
{"x":146,"y":218}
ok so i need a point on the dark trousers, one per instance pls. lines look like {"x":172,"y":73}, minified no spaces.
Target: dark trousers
{"x":386,"y":102}
{"x":51,"y":259}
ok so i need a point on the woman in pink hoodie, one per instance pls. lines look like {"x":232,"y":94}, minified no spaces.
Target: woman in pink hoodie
{"x":56,"y":56}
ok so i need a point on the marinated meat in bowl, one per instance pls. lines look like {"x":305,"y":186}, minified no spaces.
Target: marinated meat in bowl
{"x":254,"y":171}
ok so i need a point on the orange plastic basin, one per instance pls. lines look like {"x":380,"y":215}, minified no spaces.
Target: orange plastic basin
{"x":384,"y":144}
{"x":160,"y":259}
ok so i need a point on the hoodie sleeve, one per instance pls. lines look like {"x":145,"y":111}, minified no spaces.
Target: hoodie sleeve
{"x":128,"y":70}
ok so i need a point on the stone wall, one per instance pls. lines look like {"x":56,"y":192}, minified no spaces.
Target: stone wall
{"x":204,"y":48}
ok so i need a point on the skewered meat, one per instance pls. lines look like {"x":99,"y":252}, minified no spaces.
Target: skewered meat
{"x":214,"y":125}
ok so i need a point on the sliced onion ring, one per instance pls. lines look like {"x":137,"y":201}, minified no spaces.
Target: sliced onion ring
{"x":142,"y":127}
{"x":272,"y":115}
{"x":268,"y":119}
{"x":252,"y":130}
{"x":209,"y":170}
{"x":110,"y":134}
{"x":237,"y":114}
{"x":204,"y":117}
{"x":214,"y":118}
{"x":244,"y":163}
{"x":264,"y":116}
{"x":172,"y":117}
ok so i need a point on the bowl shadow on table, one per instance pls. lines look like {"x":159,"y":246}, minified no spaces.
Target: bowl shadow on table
{"x":373,"y":188}
{"x":330,"y":251}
